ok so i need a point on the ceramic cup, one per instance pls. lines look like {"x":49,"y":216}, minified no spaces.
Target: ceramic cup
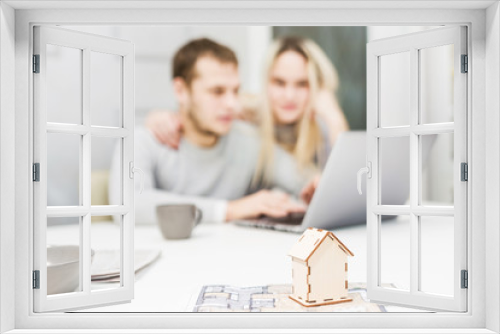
{"x":177,"y":221}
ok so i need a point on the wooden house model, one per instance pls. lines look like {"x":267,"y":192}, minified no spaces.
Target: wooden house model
{"x":319,"y":269}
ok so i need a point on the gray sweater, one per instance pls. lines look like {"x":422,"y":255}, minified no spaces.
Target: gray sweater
{"x":206,"y":177}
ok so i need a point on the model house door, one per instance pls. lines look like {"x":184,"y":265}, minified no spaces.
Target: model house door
{"x":417,"y":99}
{"x":83,"y":100}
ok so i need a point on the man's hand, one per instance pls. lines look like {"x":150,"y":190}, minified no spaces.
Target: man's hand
{"x":308,"y":191}
{"x":264,"y":202}
{"x":165,"y":126}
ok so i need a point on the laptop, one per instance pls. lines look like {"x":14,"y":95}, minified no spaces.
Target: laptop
{"x":336,"y":201}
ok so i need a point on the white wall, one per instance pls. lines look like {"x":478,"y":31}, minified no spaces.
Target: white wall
{"x":492,"y":185}
{"x":7,"y":168}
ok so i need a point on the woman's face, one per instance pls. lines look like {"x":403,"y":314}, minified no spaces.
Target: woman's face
{"x":288,"y":89}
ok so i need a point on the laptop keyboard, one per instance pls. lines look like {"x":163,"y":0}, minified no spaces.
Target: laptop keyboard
{"x":290,"y":223}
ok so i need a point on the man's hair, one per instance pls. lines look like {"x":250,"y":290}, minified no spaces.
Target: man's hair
{"x":186,"y":57}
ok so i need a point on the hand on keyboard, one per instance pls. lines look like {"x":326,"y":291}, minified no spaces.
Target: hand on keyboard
{"x":264,"y":202}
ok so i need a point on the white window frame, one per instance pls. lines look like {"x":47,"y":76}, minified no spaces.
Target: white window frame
{"x":87,"y":130}
{"x":483,"y":122}
{"x":412,"y":44}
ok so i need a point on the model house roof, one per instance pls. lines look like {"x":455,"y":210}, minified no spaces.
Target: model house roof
{"x":310,"y":240}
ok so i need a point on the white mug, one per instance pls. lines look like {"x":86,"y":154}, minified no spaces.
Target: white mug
{"x":177,"y":221}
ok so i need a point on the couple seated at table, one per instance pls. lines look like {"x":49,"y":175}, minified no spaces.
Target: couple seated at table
{"x":222,"y":165}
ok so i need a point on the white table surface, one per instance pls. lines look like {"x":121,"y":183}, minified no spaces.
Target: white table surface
{"x":222,"y":253}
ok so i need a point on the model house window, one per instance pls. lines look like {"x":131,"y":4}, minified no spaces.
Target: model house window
{"x":66,"y":134}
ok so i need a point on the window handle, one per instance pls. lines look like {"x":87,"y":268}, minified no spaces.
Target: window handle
{"x":133,"y":170}
{"x":368,"y":171}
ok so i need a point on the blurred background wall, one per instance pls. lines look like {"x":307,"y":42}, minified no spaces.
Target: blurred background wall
{"x":155,"y":46}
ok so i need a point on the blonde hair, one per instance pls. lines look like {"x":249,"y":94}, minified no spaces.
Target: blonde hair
{"x":321,"y":75}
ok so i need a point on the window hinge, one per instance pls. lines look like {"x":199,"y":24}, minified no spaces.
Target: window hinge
{"x":464,"y":172}
{"x":465,"y":279}
{"x":36,"y":63}
{"x":465,"y":64}
{"x":36,"y":279}
{"x":36,"y":172}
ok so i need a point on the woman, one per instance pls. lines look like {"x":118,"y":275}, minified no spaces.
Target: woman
{"x":300,"y":111}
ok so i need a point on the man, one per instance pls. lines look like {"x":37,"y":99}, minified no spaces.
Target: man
{"x":216,"y":160}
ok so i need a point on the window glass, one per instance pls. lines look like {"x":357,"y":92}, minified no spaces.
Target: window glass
{"x":101,"y":166}
{"x":63,"y":255}
{"x":64,"y":84}
{"x":436,"y":163}
{"x":64,"y":161}
{"x":106,"y":245}
{"x":395,"y":81}
{"x":105,"y":89}
{"x":395,"y":252}
{"x":437,"y":255}
{"x":436,"y":84}
{"x":394,"y":167}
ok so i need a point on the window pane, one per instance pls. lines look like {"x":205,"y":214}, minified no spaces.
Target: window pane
{"x":394,"y":170}
{"x":64,"y":84}
{"x":106,"y":89}
{"x":63,"y":255}
{"x":103,"y":151}
{"x":395,"y":89}
{"x":63,"y":169}
{"x":436,"y":84}
{"x":105,"y":240}
{"x":437,"y":169}
{"x":395,"y":252}
{"x":437,"y":255}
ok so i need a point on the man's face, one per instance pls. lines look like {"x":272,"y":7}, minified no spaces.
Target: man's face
{"x":212,"y":98}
